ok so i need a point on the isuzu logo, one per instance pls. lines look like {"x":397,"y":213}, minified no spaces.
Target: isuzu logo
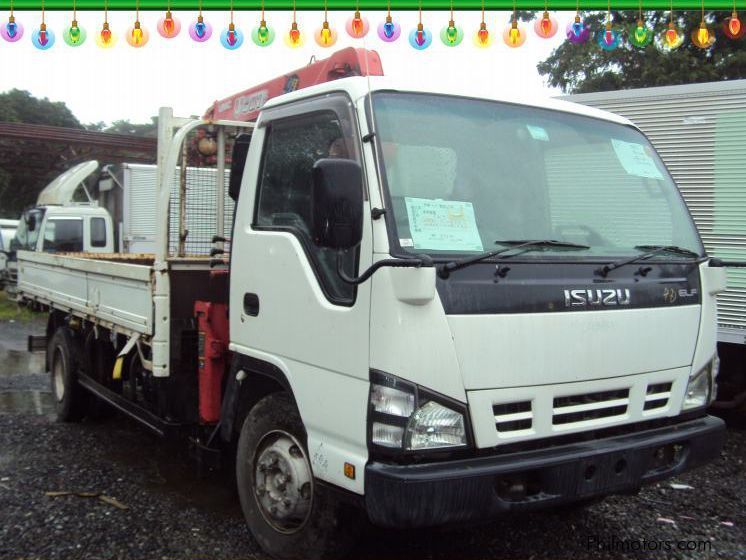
{"x":599,"y":298}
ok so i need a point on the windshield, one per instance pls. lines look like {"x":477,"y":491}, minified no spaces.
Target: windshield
{"x":25,"y":238}
{"x":465,"y":173}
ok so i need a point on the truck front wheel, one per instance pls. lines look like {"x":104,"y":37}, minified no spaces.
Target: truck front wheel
{"x":69,"y":397}
{"x":287,"y":512}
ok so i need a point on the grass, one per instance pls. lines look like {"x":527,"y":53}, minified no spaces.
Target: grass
{"x":11,"y":311}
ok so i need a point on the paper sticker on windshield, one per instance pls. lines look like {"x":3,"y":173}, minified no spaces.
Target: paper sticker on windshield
{"x":537,"y":133}
{"x":443,"y":225}
{"x":636,"y":160}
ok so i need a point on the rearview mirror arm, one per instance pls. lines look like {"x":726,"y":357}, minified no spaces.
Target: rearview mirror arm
{"x":422,"y":260}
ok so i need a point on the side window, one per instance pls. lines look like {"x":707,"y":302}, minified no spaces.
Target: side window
{"x":98,"y":232}
{"x":292,"y":146}
{"x":63,"y":235}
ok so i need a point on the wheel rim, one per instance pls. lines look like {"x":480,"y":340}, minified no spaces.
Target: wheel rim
{"x":58,"y":376}
{"x":283,"y":482}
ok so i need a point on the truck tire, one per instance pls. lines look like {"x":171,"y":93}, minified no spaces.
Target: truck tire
{"x":69,"y":397}
{"x":289,"y":515}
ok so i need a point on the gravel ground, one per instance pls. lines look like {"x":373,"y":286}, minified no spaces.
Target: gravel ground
{"x":174,"y":514}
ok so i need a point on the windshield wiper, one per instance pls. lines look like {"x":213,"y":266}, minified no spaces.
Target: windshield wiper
{"x":650,"y":251}
{"x":445,"y":270}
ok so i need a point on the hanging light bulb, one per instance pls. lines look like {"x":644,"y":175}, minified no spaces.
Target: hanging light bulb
{"x":294,"y":38}
{"x":42,"y":38}
{"x":357,"y":26}
{"x":388,"y":30}
{"x":482,"y":38}
{"x":546,"y":26}
{"x":262,"y":35}
{"x":703,"y":36}
{"x":609,"y":39}
{"x":137,"y":36}
{"x":420,"y":38}
{"x":733,"y":27}
{"x":11,"y":31}
{"x":672,"y":38}
{"x":74,"y":35}
{"x":169,"y":26}
{"x":200,"y":30}
{"x":105,"y":38}
{"x":451,"y":35}
{"x":514,"y":36}
{"x":577,"y":31}
{"x":325,"y":36}
{"x":231,"y":37}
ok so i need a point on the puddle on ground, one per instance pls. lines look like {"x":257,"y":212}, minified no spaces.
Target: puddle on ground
{"x":17,"y":362}
{"x":40,"y":403}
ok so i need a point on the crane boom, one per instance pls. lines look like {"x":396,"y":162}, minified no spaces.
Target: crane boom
{"x":245,"y":105}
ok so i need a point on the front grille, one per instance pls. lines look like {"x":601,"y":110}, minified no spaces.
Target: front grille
{"x":513,"y":416}
{"x":657,"y":396}
{"x":570,"y":409}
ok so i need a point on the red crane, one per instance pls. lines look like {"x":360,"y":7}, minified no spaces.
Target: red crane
{"x":245,"y":106}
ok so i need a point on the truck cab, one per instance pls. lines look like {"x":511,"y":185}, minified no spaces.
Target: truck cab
{"x":78,"y":228}
{"x":478,"y":305}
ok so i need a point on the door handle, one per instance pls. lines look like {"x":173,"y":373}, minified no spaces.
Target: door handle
{"x":251,"y":304}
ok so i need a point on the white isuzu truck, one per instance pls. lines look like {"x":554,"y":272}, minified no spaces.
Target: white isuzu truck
{"x":437,"y":309}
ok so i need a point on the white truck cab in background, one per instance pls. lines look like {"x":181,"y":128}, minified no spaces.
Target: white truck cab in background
{"x":59,"y":224}
{"x":438,"y":309}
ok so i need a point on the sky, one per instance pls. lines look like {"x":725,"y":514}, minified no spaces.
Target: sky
{"x":128,"y":83}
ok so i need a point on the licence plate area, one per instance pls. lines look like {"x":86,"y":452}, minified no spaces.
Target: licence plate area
{"x":607,"y":473}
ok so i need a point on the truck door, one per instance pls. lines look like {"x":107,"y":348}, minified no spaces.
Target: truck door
{"x":288,"y":305}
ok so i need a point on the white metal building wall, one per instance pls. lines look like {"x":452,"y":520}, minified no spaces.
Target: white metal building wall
{"x":700,"y":132}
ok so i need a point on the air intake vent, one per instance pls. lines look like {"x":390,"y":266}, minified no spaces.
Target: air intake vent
{"x":657,"y":396}
{"x":513,"y":417}
{"x":571,"y":409}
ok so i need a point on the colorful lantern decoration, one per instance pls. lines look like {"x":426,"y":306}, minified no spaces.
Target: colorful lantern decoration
{"x":200,"y":30}
{"x":733,"y":27}
{"x":262,"y":35}
{"x":42,"y":38}
{"x":673,"y":37}
{"x":231,"y":37}
{"x":294,"y":37}
{"x":578,"y":31}
{"x":703,"y":36}
{"x":640,"y":35}
{"x":388,"y":30}
{"x":420,"y":38}
{"x":451,"y":34}
{"x":325,"y":36}
{"x":137,"y":35}
{"x":11,"y":31}
{"x":482,"y":37}
{"x":514,"y":36}
{"x":546,"y":26}
{"x":105,"y":38}
{"x":74,"y":35}
{"x":610,"y":38}
{"x":357,"y":26}
{"x":169,"y":26}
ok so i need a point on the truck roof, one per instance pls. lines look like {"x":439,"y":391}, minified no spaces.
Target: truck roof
{"x":75,"y":210}
{"x":358,"y":87}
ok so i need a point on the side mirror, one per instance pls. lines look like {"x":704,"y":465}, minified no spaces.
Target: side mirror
{"x":238,"y":162}
{"x":337,"y":203}
{"x":31,"y":222}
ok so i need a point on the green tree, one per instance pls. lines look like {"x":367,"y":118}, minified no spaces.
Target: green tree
{"x":587,"y":67}
{"x":25,"y":167}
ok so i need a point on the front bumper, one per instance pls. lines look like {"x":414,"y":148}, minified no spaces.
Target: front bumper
{"x":480,"y":488}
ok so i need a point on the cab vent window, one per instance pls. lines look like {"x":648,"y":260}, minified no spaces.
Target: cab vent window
{"x":98,"y":232}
